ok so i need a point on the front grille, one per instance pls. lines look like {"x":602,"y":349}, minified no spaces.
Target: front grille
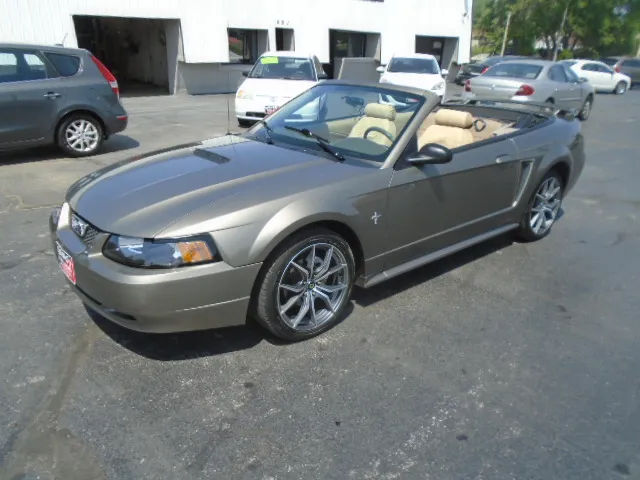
{"x":83,"y":229}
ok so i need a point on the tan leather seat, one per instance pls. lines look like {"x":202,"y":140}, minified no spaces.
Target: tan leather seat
{"x":452,"y":129}
{"x":376,"y":115}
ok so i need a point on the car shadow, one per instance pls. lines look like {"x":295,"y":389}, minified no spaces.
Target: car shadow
{"x":373,"y":295}
{"x":191,"y":345}
{"x":116,"y":143}
{"x":185,"y":345}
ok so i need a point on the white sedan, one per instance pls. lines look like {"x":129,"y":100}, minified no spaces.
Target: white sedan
{"x":415,"y":70}
{"x":275,"y":79}
{"x":600,"y":75}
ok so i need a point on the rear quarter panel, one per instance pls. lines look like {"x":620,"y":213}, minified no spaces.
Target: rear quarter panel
{"x":88,"y":90}
{"x":559,"y":144}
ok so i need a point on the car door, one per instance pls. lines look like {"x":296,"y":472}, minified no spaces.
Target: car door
{"x":567,"y":94}
{"x":432,"y":207}
{"x":30,"y":96}
{"x":589,"y":72}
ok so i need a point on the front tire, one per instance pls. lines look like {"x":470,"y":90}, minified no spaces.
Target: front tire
{"x":305,"y":286}
{"x":80,"y":135}
{"x":542,"y":209}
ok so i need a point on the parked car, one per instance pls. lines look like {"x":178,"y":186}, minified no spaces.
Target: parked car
{"x":538,"y":81}
{"x":56,"y":95}
{"x":415,"y":70}
{"x":627,"y":65}
{"x":281,"y":221}
{"x":276,"y":78}
{"x":471,"y":70}
{"x":601,"y":76}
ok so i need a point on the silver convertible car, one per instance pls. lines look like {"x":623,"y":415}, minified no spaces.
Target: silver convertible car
{"x":280,"y":222}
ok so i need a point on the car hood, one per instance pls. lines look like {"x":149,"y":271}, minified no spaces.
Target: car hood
{"x":275,"y":88}
{"x":141,"y":197}
{"x":416,"y":80}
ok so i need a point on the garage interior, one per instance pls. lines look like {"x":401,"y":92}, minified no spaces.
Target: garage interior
{"x":142,"y":53}
{"x":443,"y":48}
{"x":345,"y":44}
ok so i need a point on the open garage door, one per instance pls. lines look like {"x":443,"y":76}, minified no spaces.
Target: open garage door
{"x":134,"y":49}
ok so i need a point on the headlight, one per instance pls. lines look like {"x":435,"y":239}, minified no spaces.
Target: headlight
{"x":161,"y":253}
{"x":439,"y":86}
{"x":244,"y":95}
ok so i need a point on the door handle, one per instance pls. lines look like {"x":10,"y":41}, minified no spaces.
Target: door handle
{"x":52,"y":95}
{"x":503,"y":158}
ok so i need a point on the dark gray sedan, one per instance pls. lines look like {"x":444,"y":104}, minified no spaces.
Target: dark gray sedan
{"x":56,"y":95}
{"x":538,"y":81}
{"x":282,"y":221}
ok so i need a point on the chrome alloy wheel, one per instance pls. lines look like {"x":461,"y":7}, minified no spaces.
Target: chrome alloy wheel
{"x":82,"y":136}
{"x":312,"y":287}
{"x":545,"y":206}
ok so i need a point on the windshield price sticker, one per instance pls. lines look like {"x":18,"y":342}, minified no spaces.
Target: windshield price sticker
{"x":268,"y":60}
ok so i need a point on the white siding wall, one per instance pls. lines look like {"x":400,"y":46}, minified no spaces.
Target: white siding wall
{"x":204,"y":22}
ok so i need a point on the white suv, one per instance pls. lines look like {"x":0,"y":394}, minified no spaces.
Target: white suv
{"x":275,"y":79}
{"x":415,"y":70}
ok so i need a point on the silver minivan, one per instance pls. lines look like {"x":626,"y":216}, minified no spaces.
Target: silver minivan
{"x":56,"y":95}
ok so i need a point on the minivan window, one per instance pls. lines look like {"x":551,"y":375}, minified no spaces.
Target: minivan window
{"x":66,"y":65}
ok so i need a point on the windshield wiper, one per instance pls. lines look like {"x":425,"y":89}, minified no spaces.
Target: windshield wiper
{"x":322,"y":142}
{"x":268,"y":130}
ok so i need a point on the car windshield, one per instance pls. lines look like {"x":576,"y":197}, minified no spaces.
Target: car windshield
{"x":413,"y":65}
{"x":514,"y":70}
{"x":283,"y":68}
{"x":364,"y":122}
{"x":569,"y":63}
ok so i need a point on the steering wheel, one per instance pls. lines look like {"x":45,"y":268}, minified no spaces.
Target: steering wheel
{"x":379,"y":130}
{"x":479,"y":124}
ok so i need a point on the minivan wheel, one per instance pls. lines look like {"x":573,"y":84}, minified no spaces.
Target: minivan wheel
{"x":542,"y":210}
{"x":80,"y":135}
{"x":305,"y":286}
{"x":621,"y":88}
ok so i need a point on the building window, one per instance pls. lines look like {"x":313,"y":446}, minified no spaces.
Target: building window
{"x":243,"y":46}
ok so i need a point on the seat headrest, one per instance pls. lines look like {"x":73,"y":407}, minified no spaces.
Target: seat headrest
{"x":377,"y":110}
{"x":454,"y":118}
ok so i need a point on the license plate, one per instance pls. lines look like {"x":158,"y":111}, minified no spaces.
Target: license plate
{"x":269,"y":109}
{"x":66,"y":263}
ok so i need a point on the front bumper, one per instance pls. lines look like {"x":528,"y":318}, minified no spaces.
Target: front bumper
{"x":256,"y":108}
{"x":159,"y":301}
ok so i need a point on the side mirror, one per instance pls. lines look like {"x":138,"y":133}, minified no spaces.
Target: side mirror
{"x":444,"y":72}
{"x":584,"y":80}
{"x":245,"y":74}
{"x":431,"y":154}
{"x":380,"y":69}
{"x":322,"y":76}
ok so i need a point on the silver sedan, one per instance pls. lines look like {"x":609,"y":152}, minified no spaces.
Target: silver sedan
{"x":537,"y":81}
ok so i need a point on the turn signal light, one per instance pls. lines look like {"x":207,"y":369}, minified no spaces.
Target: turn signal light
{"x":467,"y":86}
{"x":484,"y":70}
{"x":525,"y":91}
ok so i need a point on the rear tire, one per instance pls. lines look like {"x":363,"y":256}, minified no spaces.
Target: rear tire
{"x":542,"y":209}
{"x":585,"y":113}
{"x":244,"y":123}
{"x":292,"y":301}
{"x":621,"y":88}
{"x":80,"y":135}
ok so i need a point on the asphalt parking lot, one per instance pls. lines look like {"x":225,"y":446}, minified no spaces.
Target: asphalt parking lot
{"x":506,"y":361}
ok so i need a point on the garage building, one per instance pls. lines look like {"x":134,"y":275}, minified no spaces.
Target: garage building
{"x":203,"y":46}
